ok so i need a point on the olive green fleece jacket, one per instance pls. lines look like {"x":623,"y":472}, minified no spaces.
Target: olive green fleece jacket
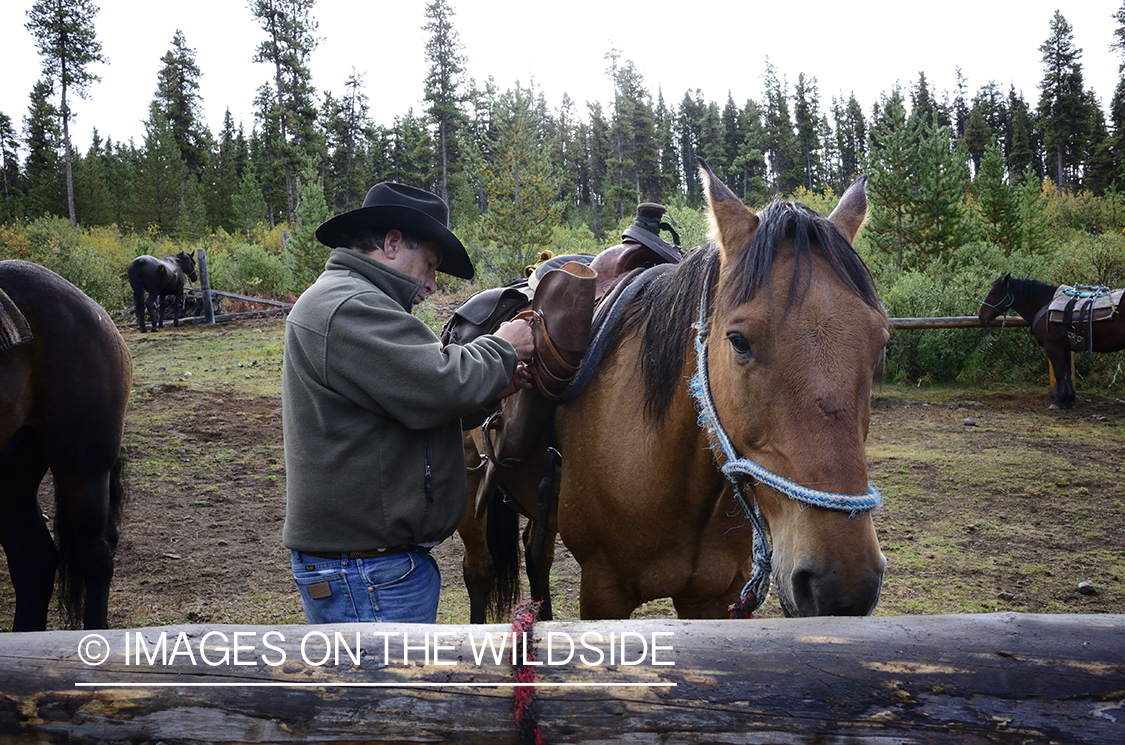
{"x":371,"y":408}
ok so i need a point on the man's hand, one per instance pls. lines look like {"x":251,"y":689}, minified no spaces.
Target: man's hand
{"x":518,"y":334}
{"x":521,"y":381}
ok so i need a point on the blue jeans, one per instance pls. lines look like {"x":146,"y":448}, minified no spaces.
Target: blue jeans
{"x":402,"y":587}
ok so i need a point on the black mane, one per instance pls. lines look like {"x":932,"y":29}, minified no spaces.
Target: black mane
{"x":1035,"y":292}
{"x":668,"y":307}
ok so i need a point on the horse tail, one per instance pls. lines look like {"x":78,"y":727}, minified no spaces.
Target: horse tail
{"x":74,"y":564}
{"x":503,"y":531}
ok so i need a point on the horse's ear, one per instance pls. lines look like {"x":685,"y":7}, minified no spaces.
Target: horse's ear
{"x":732,"y":224}
{"x":850,"y":213}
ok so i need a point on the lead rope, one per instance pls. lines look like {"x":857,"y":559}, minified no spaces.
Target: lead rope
{"x":737,"y":469}
{"x":523,"y":698}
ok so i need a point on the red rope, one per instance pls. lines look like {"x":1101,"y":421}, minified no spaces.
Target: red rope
{"x":526,"y":713}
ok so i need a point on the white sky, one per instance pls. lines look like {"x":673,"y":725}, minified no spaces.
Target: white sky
{"x":861,"y":47}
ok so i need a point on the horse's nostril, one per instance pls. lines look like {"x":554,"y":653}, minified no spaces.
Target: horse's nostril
{"x":815,"y":593}
{"x":803,"y":582}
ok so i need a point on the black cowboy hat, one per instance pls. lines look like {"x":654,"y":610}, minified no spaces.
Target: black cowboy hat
{"x":416,"y":212}
{"x":646,"y":229}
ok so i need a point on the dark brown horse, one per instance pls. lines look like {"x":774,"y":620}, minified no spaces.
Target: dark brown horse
{"x":1031,"y":298}
{"x":791,"y":333}
{"x":160,"y":278}
{"x":62,"y":407}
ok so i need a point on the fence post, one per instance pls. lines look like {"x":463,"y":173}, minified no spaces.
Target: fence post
{"x":205,"y":286}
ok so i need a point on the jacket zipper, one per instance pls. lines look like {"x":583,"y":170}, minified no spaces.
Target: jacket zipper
{"x":428,"y":482}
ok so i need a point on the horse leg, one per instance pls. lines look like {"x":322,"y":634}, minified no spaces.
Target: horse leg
{"x":32,"y":557}
{"x":156,"y":318}
{"x":1060,"y":360}
{"x":87,"y":537}
{"x":539,"y":569}
{"x":603,"y":595}
{"x":476,"y":566}
{"x":176,"y":308}
{"x":139,"y":304}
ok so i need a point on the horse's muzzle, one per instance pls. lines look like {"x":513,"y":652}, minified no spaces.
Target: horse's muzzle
{"x":814,"y":591}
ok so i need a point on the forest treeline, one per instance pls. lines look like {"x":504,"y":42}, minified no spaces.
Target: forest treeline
{"x":962,"y":184}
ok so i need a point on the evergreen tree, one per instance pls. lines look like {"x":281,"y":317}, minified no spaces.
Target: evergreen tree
{"x":670,"y":183}
{"x":892,"y":161}
{"x":10,"y":189}
{"x":1063,"y":110}
{"x":412,"y":153}
{"x":996,"y":201}
{"x":940,"y":178}
{"x":689,"y":118}
{"x":522,"y":197}
{"x":806,"y":117}
{"x":922,"y":106}
{"x":221,"y":177}
{"x":443,"y":90}
{"x":1021,"y":149}
{"x":783,"y":153}
{"x":92,"y":195}
{"x":65,"y":38}
{"x":851,"y":140}
{"x":305,"y":254}
{"x":978,"y":136}
{"x":249,"y":204}
{"x":750,"y":160}
{"x":160,"y":177}
{"x":598,"y":149}
{"x":960,"y":109}
{"x":178,"y":100}
{"x":290,"y":40}
{"x":347,"y":129}
{"x":44,"y":194}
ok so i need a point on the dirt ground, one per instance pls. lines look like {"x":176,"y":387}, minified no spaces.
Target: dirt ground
{"x":1010,"y":512}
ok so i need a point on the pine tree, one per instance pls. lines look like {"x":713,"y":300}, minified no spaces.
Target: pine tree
{"x":522,"y":195}
{"x":689,"y":118}
{"x":291,"y":39}
{"x":978,"y":136}
{"x":996,"y":201}
{"x":412,"y":153}
{"x":178,"y":100}
{"x":160,"y":177}
{"x":304,"y":252}
{"x":1063,"y":110}
{"x":10,"y":188}
{"x":347,"y":128}
{"x":64,"y":35}
{"x":221,"y":177}
{"x":443,"y":89}
{"x":941,"y":176}
{"x":892,"y":161}
{"x":783,"y":152}
{"x":44,"y":193}
{"x":92,"y":196}
{"x":851,"y":140}
{"x":806,"y":117}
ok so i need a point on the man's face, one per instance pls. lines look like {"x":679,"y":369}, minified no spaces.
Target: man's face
{"x":422,"y":264}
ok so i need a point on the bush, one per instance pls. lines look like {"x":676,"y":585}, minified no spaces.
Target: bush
{"x":248,"y":269}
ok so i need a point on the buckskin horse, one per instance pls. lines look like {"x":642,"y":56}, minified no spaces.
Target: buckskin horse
{"x":777,"y":327}
{"x":160,"y":278}
{"x":1030,"y":298}
{"x":65,"y":375}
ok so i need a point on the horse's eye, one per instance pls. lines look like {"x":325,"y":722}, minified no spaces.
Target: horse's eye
{"x":740,"y":345}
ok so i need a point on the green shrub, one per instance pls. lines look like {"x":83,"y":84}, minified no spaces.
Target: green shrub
{"x":248,"y":269}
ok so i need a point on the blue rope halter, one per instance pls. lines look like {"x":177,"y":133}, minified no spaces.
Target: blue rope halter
{"x":736,"y":469}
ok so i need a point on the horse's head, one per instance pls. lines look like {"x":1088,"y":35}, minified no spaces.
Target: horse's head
{"x":998,"y":301}
{"x":187,"y":264}
{"x":796,"y":333}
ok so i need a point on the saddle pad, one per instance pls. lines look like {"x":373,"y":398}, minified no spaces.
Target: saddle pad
{"x":14,"y":329}
{"x":1104,"y":306}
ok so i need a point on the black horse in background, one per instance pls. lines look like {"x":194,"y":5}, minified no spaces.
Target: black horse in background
{"x":65,"y":376}
{"x":160,"y":278}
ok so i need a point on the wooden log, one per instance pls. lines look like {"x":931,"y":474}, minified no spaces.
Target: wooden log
{"x":952,"y":322}
{"x":247,"y":298}
{"x":205,"y":286}
{"x":991,"y":678}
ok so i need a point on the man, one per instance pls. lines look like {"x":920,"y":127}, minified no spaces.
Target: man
{"x":372,"y":404}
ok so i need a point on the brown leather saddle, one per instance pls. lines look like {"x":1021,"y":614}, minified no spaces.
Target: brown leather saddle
{"x":559,"y":299}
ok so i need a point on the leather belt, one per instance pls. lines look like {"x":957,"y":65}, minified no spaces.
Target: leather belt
{"x":369,"y":554}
